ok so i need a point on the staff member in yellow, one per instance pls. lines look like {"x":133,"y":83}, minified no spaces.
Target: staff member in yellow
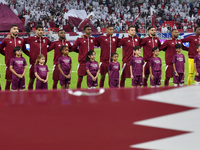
{"x":193,"y":41}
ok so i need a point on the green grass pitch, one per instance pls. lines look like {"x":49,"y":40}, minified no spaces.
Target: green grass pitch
{"x":74,"y":77}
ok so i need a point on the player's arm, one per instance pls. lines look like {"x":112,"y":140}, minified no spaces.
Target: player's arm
{"x":185,"y":48}
{"x":72,"y":50}
{"x":2,"y":45}
{"x":97,"y":41}
{"x":143,"y":42}
{"x":59,"y":68}
{"x":143,"y":70}
{"x":174,"y":67}
{"x":13,"y":71}
{"x":2,"y":51}
{"x":164,"y":46}
{"x":24,"y":71}
{"x":51,"y":47}
{"x":150,"y":70}
{"x":69,"y":75}
{"x":47,"y":77}
{"x":25,"y":50}
{"x":131,"y":71}
{"x":76,"y":45}
{"x":159,"y":43}
{"x":97,"y":74}
{"x":187,"y":39}
{"x":118,"y":41}
{"x":109,"y":74}
{"x":49,"y":42}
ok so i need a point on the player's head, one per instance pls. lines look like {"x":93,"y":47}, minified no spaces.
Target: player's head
{"x":131,"y":30}
{"x":61,"y":34}
{"x":64,"y":50}
{"x":114,"y":57}
{"x":40,"y":59}
{"x":39,"y":30}
{"x":109,"y":30}
{"x":198,"y":47}
{"x":17,"y":51}
{"x":152,"y":31}
{"x":178,"y":48}
{"x":87,"y":29}
{"x":90,"y":56}
{"x":14,"y":30}
{"x":197,"y":30}
{"x":155,"y":51}
{"x":137,"y":50}
{"x":175,"y":33}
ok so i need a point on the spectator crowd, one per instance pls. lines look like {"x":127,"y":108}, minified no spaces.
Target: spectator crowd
{"x":118,"y":13}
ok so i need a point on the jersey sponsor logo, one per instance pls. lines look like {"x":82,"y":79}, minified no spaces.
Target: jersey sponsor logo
{"x":94,"y":65}
{"x":42,"y":69}
{"x":19,"y":42}
{"x":115,"y":67}
{"x":66,"y":60}
{"x":138,"y":61}
{"x":180,"y":59}
{"x":19,"y":62}
{"x":157,"y":61}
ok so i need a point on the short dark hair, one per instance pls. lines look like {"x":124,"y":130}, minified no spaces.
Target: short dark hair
{"x":155,"y":48}
{"x":130,"y":27}
{"x":136,"y":48}
{"x":38,"y":26}
{"x":61,"y":30}
{"x":86,"y":26}
{"x":177,"y":46}
{"x":109,"y":26}
{"x":14,"y":25}
{"x":62,"y":47}
{"x":197,"y":46}
{"x":17,"y":48}
{"x":196,"y":28}
{"x":173,"y":30}
{"x":149,"y":28}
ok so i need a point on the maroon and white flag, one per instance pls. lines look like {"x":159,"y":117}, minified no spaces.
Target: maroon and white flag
{"x":134,"y":21}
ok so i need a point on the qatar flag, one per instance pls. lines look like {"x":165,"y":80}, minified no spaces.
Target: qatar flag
{"x":134,"y":21}
{"x":153,"y":17}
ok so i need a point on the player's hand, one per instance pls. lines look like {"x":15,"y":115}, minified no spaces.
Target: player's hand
{"x":152,"y":77}
{"x":177,"y":74}
{"x":45,"y":81}
{"x":8,"y":36}
{"x":68,"y":76}
{"x":42,"y":80}
{"x":93,"y":79}
{"x":19,"y":76}
{"x":82,"y":36}
{"x":132,"y":77}
{"x":197,"y":74}
{"x":143,"y":76}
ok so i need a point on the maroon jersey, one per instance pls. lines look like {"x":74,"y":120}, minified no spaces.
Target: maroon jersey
{"x":155,"y":63}
{"x":169,"y":47}
{"x":85,"y":44}
{"x":197,"y":61}
{"x":9,"y":45}
{"x":41,"y":71}
{"x":93,"y":67}
{"x":38,"y":45}
{"x":148,"y":44}
{"x":114,"y":70}
{"x":137,"y":64}
{"x":128,"y":44}
{"x":18,"y":64}
{"x":179,"y":60}
{"x":65,"y":63}
{"x":56,"y":45}
{"x":193,"y":40}
{"x":108,"y":45}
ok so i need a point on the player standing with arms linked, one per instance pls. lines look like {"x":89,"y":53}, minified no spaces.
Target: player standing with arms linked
{"x":148,"y":43}
{"x":108,"y":44}
{"x":9,"y":44}
{"x":193,"y":41}
{"x":128,"y":44}
{"x":169,"y":47}
{"x":85,"y":44}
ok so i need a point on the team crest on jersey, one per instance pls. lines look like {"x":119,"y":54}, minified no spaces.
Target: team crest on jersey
{"x":113,"y":39}
{"x":19,"y":42}
{"x":43,"y":40}
{"x":10,"y":41}
{"x":91,"y":41}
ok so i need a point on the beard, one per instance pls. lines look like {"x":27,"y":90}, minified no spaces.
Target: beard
{"x":15,"y":34}
{"x":153,"y":34}
{"x":62,"y":37}
{"x":175,"y":36}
